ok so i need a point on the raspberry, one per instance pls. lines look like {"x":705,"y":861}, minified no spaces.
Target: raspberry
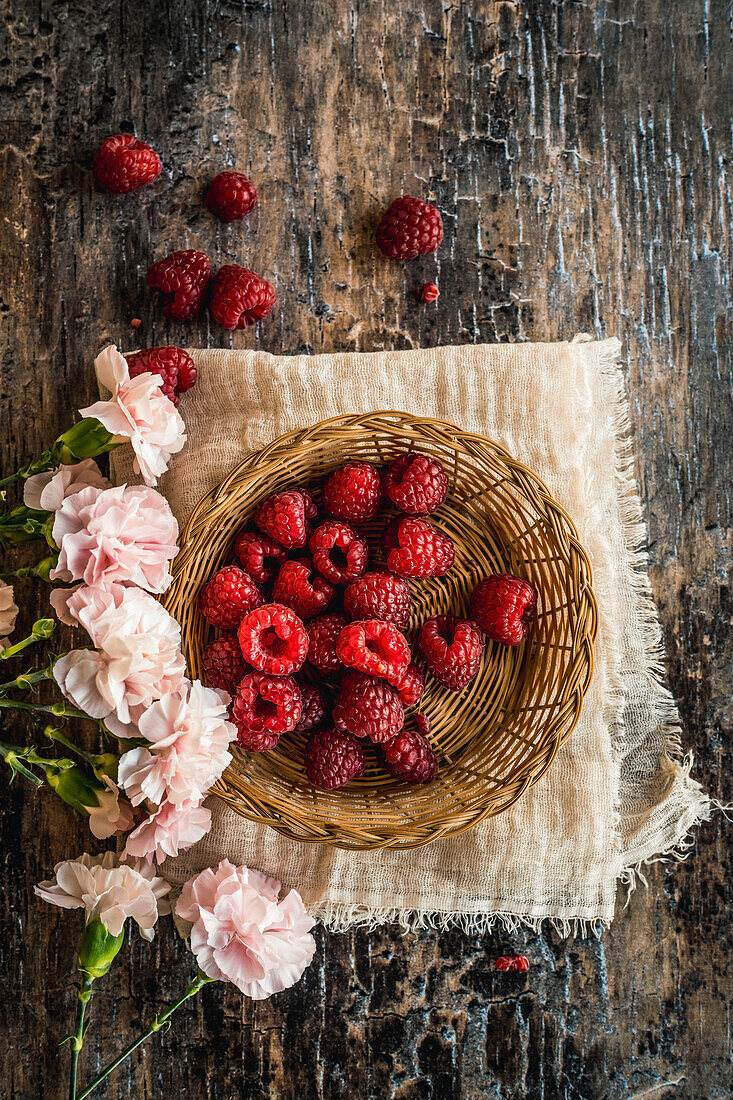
{"x":223,"y":663}
{"x":259,"y":555}
{"x":380,"y":596}
{"x":333,"y":758}
{"x":314,"y":708}
{"x":519,"y":963}
{"x":374,"y":647}
{"x":338,"y":552}
{"x":273,"y":640}
{"x":408,"y":756}
{"x":295,"y":588}
{"x":265,"y":705}
{"x":367,"y":707}
{"x":323,"y":635}
{"x":389,"y":535}
{"x":410,"y":686}
{"x":430,"y":293}
{"x":409,"y":228}
{"x":227,"y":597}
{"x":231,"y":196}
{"x":352,"y":492}
{"x":504,"y":606}
{"x":423,"y":551}
{"x":174,"y":365}
{"x":453,"y":649}
{"x":311,"y":510}
{"x":239,"y":297}
{"x":182,"y":278}
{"x":123,"y":164}
{"x":416,"y":483}
{"x":282,"y":517}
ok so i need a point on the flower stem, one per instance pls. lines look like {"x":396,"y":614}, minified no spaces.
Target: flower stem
{"x":156,"y":1024}
{"x":77,"y":1039}
{"x":40,"y":631}
{"x":26,"y":679}
{"x":59,"y":710}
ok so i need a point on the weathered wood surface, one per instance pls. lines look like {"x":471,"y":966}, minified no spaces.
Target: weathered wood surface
{"x":580,"y":153}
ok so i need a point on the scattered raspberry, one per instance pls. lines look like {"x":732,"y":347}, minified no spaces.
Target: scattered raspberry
{"x":187,"y":373}
{"x":182,"y":278}
{"x":333,"y":758}
{"x":416,"y":483}
{"x":323,"y":634}
{"x":382,"y":596}
{"x":430,"y":293}
{"x":259,"y":555}
{"x":314,"y":708}
{"x":168,"y":362}
{"x":223,"y":663}
{"x":519,"y":963}
{"x":136,"y":322}
{"x":409,"y":756}
{"x":282,"y":517}
{"x":273,"y":640}
{"x":239,"y":297}
{"x":265,"y":705}
{"x":227,"y":597}
{"x":123,"y":164}
{"x":410,"y":686}
{"x":409,"y":228}
{"x":231,"y":196}
{"x":353,"y":492}
{"x":423,"y":551}
{"x":504,"y":606}
{"x":453,"y":649}
{"x":338,"y":552}
{"x":367,"y":707}
{"x":297,"y":587}
{"x":374,"y":647}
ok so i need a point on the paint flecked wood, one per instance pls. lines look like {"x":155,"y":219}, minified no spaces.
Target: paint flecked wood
{"x":580,"y":154}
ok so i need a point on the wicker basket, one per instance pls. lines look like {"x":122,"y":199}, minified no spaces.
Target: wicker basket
{"x":496,"y":737}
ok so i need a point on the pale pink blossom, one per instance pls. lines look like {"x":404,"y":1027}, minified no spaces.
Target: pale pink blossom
{"x":113,"y":816}
{"x":242,"y":934}
{"x":125,"y":535}
{"x":8,"y":612}
{"x":168,"y":831}
{"x":187,"y":734}
{"x":138,"y":411}
{"x":47,"y":491}
{"x":107,"y":891}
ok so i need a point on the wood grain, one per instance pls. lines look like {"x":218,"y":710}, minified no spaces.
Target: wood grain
{"x":580,"y":154}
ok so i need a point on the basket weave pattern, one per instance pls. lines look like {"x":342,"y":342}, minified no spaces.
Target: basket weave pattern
{"x":496,"y":737}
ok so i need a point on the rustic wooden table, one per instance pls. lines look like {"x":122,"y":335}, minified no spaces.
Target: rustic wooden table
{"x":580,"y":155}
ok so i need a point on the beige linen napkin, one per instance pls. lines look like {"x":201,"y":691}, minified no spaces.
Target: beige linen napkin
{"x":619,"y":792}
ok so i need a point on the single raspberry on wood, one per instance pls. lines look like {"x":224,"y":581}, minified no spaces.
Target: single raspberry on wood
{"x":282,"y":517}
{"x":423,"y":550}
{"x":228,"y":596}
{"x":182,"y":279}
{"x":259,"y":555}
{"x":416,"y":483}
{"x":381,"y":596}
{"x":124,"y":163}
{"x":430,"y":293}
{"x":323,"y":634}
{"x":453,"y":649}
{"x":520,"y":963}
{"x":353,"y":492}
{"x":410,"y":686}
{"x":174,"y":365}
{"x":265,"y":705}
{"x":239,"y":297}
{"x":298,"y":587}
{"x":409,"y":755}
{"x":409,"y":228}
{"x":231,"y":196}
{"x":374,"y":647}
{"x":333,"y":758}
{"x":368,"y":707}
{"x":273,"y":639}
{"x":313,"y":711}
{"x":504,"y":607}
{"x":223,"y":663}
{"x":338,"y":552}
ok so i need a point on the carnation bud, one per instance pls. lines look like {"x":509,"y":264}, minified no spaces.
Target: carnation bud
{"x":98,"y":948}
{"x":72,"y":784}
{"x":86,"y":439}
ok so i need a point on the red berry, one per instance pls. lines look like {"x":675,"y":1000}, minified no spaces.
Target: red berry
{"x":382,"y":596}
{"x":333,"y":758}
{"x":223,"y":663}
{"x":228,"y":596}
{"x":368,"y":707}
{"x":410,"y":686}
{"x":231,"y":196}
{"x":273,"y":640}
{"x":409,"y":756}
{"x":182,"y":278}
{"x":353,"y":492}
{"x":314,"y":708}
{"x":504,"y":606}
{"x":423,"y":551}
{"x":187,"y":373}
{"x":452,"y":648}
{"x":123,"y":164}
{"x":374,"y":647}
{"x":239,"y":297}
{"x":519,"y":963}
{"x":409,"y":228}
{"x":282,"y":517}
{"x":311,"y":511}
{"x":136,"y":322}
{"x":323,"y":634}
{"x":338,"y":552}
{"x":265,"y":705}
{"x":430,"y":293}
{"x":174,"y":365}
{"x":416,"y":483}
{"x":296,"y":587}
{"x":259,"y":555}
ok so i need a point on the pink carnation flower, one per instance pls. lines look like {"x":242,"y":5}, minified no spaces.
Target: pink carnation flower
{"x":46,"y":492}
{"x":8,"y":612}
{"x":138,"y":411}
{"x":113,"y":816}
{"x":188,"y":737}
{"x":125,"y":535}
{"x":241,"y":932}
{"x":168,"y":831}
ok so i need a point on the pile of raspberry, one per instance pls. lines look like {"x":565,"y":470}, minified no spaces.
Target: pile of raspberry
{"x":315,"y":633}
